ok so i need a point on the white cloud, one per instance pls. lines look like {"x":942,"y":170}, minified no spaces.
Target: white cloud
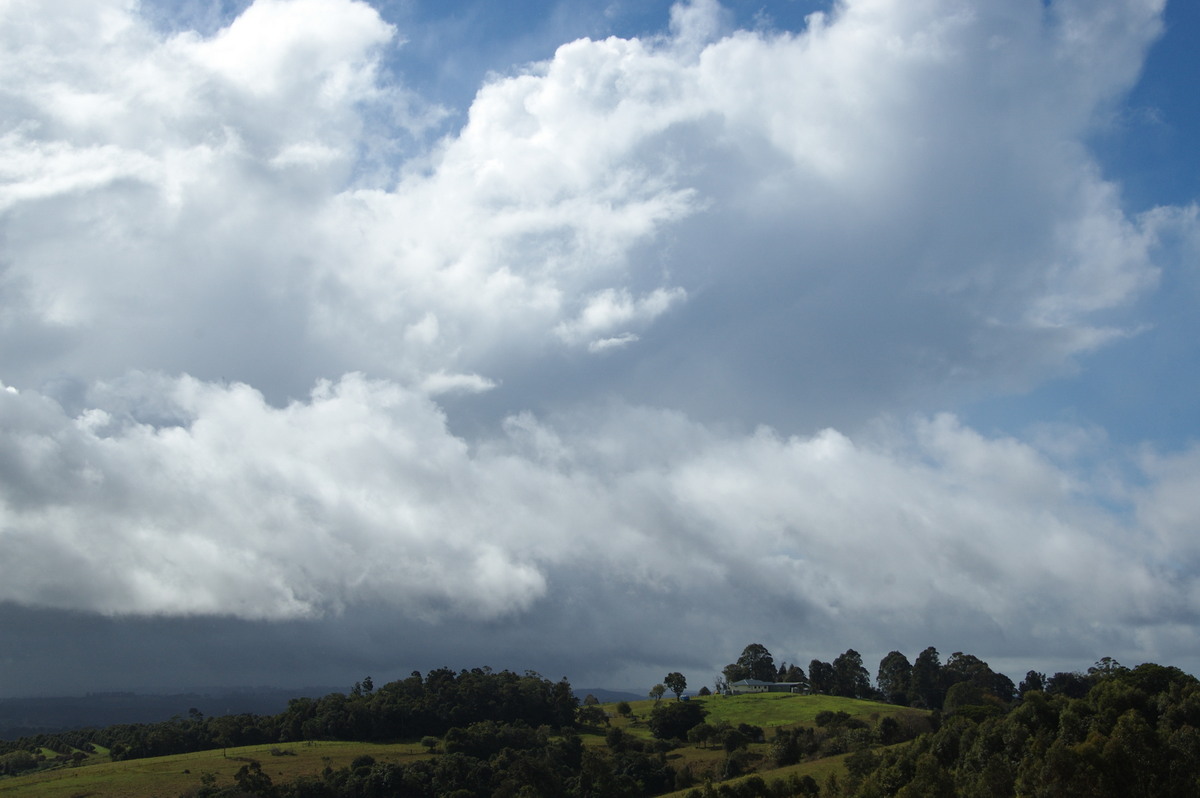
{"x":361,"y":496}
{"x":889,"y":210}
{"x":441,"y":382}
{"x":610,"y":311}
{"x":239,"y":508}
{"x":615,"y":342}
{"x":874,"y":167}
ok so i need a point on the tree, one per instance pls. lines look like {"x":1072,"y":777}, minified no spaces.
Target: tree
{"x":1032,"y":682}
{"x":962,"y":667}
{"x":850,"y":678}
{"x":251,"y":779}
{"x":962,"y":694}
{"x":785,"y":748}
{"x":704,"y":691}
{"x":926,"y":689}
{"x":894,"y":678}
{"x":1002,"y":687}
{"x":733,"y":740}
{"x":657,"y":692}
{"x":820,"y":676}
{"x":1072,"y":685}
{"x":676,"y":683}
{"x":1105,"y":668}
{"x":794,"y":674}
{"x":16,"y":762}
{"x":755,"y":663}
{"x":623,"y":709}
{"x":969,"y":668}
{"x":734,"y":673}
{"x":224,"y":730}
{"x":700,"y":734}
{"x":673,"y":721}
{"x":592,"y":715}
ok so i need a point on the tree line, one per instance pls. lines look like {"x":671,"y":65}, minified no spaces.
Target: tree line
{"x":1112,"y":732}
{"x":925,"y":683}
{"x":405,"y":709}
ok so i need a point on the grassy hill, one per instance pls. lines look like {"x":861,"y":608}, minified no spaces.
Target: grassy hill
{"x":819,"y":769}
{"x":769,"y":711}
{"x":170,"y":776}
{"x":772,"y":710}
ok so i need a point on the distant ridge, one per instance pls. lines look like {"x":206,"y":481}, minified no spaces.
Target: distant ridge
{"x":21,"y":717}
{"x":606,"y":696}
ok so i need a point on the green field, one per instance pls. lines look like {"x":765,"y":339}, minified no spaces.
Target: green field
{"x":769,"y":711}
{"x":169,"y":776}
{"x":772,"y":710}
{"x":819,"y":769}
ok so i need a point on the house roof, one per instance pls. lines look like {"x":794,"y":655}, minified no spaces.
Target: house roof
{"x":761,"y":683}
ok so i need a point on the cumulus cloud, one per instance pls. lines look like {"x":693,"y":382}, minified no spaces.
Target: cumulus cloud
{"x":856,"y":182}
{"x":239,"y":508}
{"x":800,"y":232}
{"x":360,"y":496}
{"x":610,"y":311}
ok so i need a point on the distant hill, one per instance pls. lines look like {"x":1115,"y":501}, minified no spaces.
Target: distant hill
{"x":20,"y":717}
{"x":605,"y":696}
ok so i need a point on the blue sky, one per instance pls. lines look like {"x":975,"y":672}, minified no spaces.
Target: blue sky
{"x":597,"y":338}
{"x":1143,"y":389}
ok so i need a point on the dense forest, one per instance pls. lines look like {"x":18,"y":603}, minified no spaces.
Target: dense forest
{"x":1116,"y":732}
{"x":1109,"y":731}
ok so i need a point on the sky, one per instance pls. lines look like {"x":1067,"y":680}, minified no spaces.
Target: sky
{"x":601,"y":339}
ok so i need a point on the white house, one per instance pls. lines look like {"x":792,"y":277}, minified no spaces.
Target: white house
{"x":757,"y":686}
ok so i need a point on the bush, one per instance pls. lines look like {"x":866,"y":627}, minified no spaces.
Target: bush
{"x":733,"y":740}
{"x":735,"y":764}
{"x":672,"y":721}
{"x":17,"y":762}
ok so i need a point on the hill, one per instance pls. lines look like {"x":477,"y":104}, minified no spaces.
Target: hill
{"x":774,"y":710}
{"x":606,"y":696}
{"x":24,"y":717}
{"x":180,"y":773}
{"x":623,"y":740}
{"x":779,"y":732}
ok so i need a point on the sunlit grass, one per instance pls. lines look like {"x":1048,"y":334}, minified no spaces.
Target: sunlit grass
{"x":169,"y":776}
{"x":767,"y":710}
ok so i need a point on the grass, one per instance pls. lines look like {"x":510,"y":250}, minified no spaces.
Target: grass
{"x":169,"y":776}
{"x":819,"y":769}
{"x":770,"y":710}
{"x":767,"y":710}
